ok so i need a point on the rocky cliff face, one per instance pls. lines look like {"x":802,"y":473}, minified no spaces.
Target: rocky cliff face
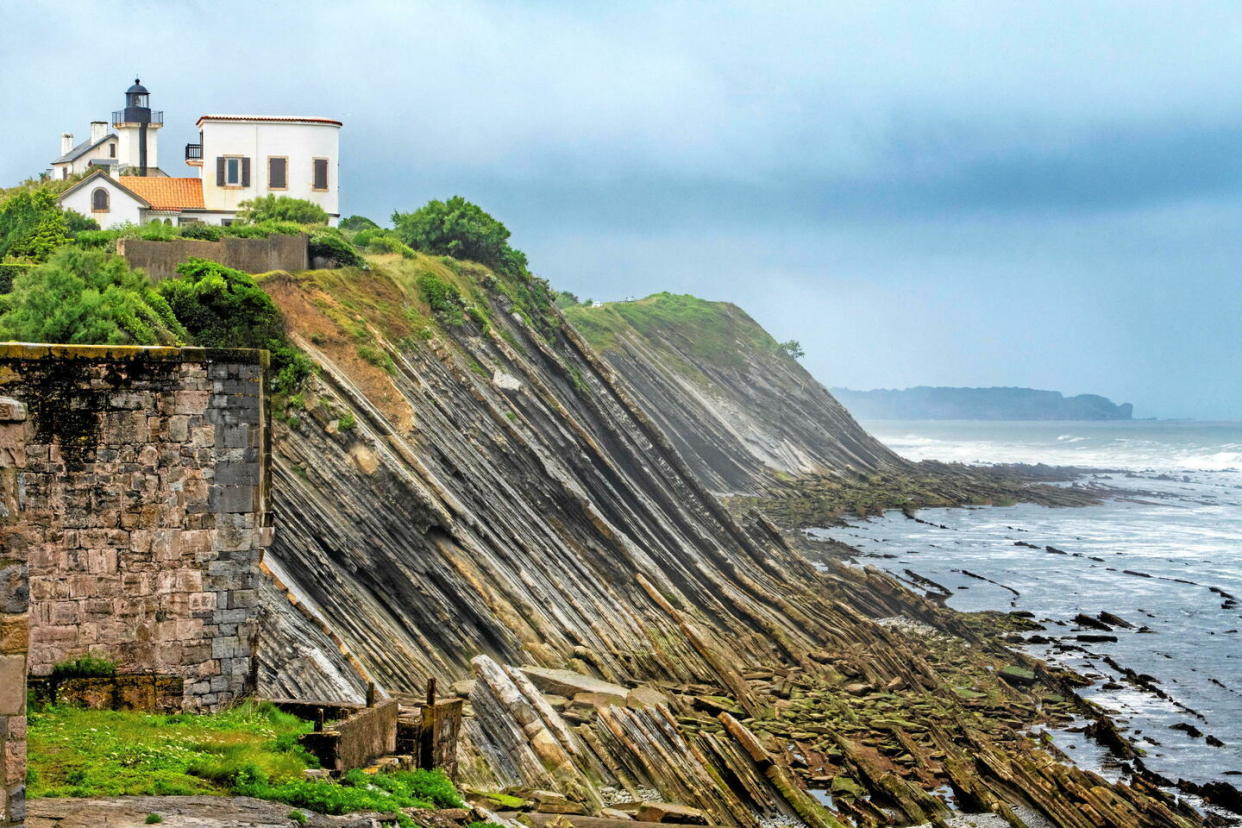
{"x":737,"y":406}
{"x":467,"y":488}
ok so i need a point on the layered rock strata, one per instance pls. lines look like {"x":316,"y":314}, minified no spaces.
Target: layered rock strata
{"x":476,"y":482}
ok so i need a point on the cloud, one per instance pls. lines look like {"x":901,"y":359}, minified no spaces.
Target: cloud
{"x":1045,"y":192}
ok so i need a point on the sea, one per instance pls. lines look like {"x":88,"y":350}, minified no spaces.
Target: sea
{"x":1162,"y":552}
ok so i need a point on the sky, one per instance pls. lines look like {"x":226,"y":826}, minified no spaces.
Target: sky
{"x":952,"y":193}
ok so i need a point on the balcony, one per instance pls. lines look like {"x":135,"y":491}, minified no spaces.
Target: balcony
{"x":128,"y":116}
{"x":194,"y":155}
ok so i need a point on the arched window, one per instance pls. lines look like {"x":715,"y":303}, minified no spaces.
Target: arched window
{"x":99,"y":200}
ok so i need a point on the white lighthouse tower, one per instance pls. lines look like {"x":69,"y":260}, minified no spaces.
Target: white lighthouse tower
{"x":137,"y":128}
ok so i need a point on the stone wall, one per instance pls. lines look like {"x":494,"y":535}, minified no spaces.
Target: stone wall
{"x":160,"y":258}
{"x":135,"y":494}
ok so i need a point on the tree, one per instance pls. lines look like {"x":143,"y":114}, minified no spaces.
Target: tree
{"x":32,"y":225}
{"x":460,"y":229}
{"x":86,"y":297}
{"x":793,"y":348}
{"x":356,"y":223}
{"x":281,"y":208}
{"x":75,"y":222}
{"x":225,"y":308}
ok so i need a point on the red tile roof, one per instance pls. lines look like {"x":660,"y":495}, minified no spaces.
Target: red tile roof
{"x":166,"y":193}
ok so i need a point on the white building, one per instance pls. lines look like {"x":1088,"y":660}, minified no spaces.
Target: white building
{"x":237,"y":158}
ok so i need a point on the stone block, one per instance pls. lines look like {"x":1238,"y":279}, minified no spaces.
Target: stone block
{"x":14,"y":587}
{"x":11,"y":410}
{"x":14,"y":634}
{"x":12,"y":685}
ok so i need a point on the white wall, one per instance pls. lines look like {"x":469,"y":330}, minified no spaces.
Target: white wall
{"x":299,"y":142}
{"x":127,"y":151}
{"x":83,"y":162}
{"x":123,"y":208}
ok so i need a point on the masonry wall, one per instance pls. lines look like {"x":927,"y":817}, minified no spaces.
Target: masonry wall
{"x":160,"y":258}
{"x":134,"y":495}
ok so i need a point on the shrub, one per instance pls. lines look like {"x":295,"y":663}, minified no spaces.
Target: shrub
{"x":356,"y":223}
{"x":98,"y":239}
{"x":793,"y":348}
{"x":272,"y":207}
{"x":10,"y":271}
{"x":443,"y":298}
{"x":460,"y":229}
{"x":88,"y":297}
{"x":225,"y":308}
{"x":202,"y":232}
{"x":152,"y":819}
{"x":347,"y":422}
{"x":84,"y":667}
{"x":297,"y":816}
{"x":382,"y":241}
{"x":76,"y":222}
{"x":32,"y":225}
{"x":329,"y":243}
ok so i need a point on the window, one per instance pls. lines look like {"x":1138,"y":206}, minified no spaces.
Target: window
{"x":100,"y":200}
{"x":232,"y":171}
{"x":320,"y":174}
{"x":277,"y":173}
{"x":112,"y":150}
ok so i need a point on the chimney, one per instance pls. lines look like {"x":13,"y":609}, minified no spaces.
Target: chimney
{"x":98,"y":130}
{"x":66,"y":142}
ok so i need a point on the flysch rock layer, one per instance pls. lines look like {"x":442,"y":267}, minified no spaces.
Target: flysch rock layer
{"x":461,"y":500}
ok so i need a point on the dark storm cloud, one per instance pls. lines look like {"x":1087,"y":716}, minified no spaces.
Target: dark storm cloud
{"x":968,"y":193}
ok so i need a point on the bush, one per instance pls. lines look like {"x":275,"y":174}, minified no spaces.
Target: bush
{"x":202,"y":232}
{"x":32,"y":225}
{"x":282,"y":208}
{"x":84,"y":667}
{"x":383,"y":241}
{"x":443,"y":298}
{"x":793,"y":348}
{"x":10,"y":271}
{"x":225,"y":308}
{"x":76,"y":222}
{"x":98,"y":239}
{"x":462,"y":230}
{"x":88,"y":297}
{"x":357,"y":223}
{"x":153,"y":819}
{"x":330,"y":244}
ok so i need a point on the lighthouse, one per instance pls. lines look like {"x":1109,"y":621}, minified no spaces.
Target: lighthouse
{"x":136,"y":128}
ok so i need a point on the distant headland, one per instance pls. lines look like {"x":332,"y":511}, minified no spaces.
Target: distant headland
{"x":939,"y":403}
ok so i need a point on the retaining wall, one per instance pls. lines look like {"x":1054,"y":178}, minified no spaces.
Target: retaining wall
{"x":160,"y":258}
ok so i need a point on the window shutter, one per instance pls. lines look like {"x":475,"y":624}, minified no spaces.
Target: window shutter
{"x":276,"y":177}
{"x":220,"y":171}
{"x":321,"y":174}
{"x":245,"y":172}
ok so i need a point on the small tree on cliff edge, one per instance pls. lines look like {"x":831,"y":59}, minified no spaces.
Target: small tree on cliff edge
{"x":460,"y":229}
{"x":793,"y":348}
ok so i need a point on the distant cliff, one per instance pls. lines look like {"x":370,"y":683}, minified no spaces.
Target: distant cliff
{"x":928,"y":403}
{"x":738,"y":408}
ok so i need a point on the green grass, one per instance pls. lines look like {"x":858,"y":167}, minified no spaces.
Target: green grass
{"x":75,"y":752}
{"x":249,"y":750}
{"x":715,"y":333}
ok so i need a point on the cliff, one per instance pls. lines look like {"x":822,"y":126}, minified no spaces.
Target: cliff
{"x":739,"y":409}
{"x":467,"y":487}
{"x":926,"y":403}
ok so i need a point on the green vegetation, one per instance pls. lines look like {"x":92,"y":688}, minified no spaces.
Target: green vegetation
{"x":272,"y":207}
{"x":355,"y":223}
{"x":460,"y":229}
{"x":711,"y":333}
{"x":359,"y":791}
{"x":347,"y":422}
{"x":225,"y":308}
{"x":75,"y":752}
{"x":331,"y":244}
{"x":565,"y":299}
{"x":794,"y":348}
{"x":153,"y":819}
{"x":297,"y":816}
{"x":87,"y":297}
{"x":377,"y":240}
{"x":32,"y":226}
{"x":84,"y":667}
{"x":443,"y":298}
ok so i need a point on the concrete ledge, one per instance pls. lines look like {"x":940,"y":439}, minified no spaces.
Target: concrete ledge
{"x":151,"y":353}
